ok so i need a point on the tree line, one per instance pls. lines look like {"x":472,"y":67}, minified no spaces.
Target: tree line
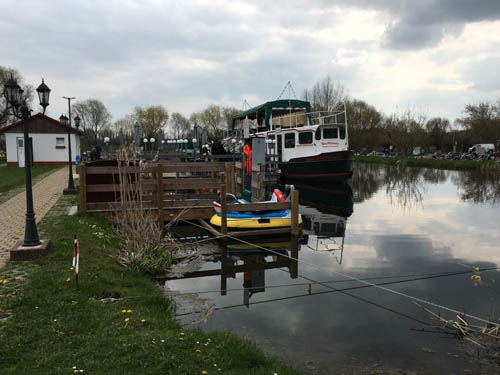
{"x":369,"y":129}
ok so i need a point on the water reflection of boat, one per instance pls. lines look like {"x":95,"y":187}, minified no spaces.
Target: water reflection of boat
{"x":325,"y":209}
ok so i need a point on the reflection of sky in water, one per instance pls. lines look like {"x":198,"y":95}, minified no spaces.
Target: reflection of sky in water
{"x":441,"y":234}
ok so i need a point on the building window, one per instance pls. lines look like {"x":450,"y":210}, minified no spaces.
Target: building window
{"x":60,"y":142}
{"x":329,"y":133}
{"x":289,"y":140}
{"x":305,"y":138}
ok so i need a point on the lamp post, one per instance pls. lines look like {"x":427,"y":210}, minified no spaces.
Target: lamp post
{"x":195,"y":141}
{"x":106,"y":142}
{"x":20,"y":110}
{"x":145,"y":140}
{"x":152,"y":141}
{"x":137,"y":138}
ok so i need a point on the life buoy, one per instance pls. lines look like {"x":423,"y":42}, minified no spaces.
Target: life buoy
{"x":247,"y":150}
{"x":279,"y":195}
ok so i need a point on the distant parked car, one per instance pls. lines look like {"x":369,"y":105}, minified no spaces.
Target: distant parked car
{"x":454,"y":156}
{"x":487,"y":147}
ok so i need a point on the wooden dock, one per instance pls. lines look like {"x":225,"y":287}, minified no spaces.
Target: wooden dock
{"x":178,"y":190}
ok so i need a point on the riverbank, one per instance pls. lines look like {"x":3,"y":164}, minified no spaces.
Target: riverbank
{"x":117,"y":322}
{"x":432,"y":163}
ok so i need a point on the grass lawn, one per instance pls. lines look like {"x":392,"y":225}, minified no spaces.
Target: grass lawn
{"x":431,"y":163}
{"x":54,"y":329}
{"x":12,"y":180}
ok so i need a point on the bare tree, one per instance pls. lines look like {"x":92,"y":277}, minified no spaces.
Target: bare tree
{"x":179,"y":125}
{"x":152,"y":119}
{"x":215,"y":118}
{"x":325,"y":95}
{"x":482,"y":122}
{"x":95,"y":118}
{"x":5,"y":74}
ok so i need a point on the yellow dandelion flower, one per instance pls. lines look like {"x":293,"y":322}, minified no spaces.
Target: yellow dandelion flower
{"x":129,"y":311}
{"x":5,"y":282}
{"x":71,"y":268}
{"x":182,"y":333}
{"x":18,"y":277}
{"x":68,"y":279}
{"x":181,"y":338}
{"x":204,"y":372}
{"x":143,"y":320}
{"x":198,"y":351}
{"x":124,"y":311}
{"x":126,"y":319}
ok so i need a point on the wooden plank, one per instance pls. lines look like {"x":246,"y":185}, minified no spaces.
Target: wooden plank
{"x":83,"y":188}
{"x":114,"y":206}
{"x":192,"y":167}
{"x":189,"y":214}
{"x":191,"y":183}
{"x":116,"y":187}
{"x":223,"y":209}
{"x":116,"y":170}
{"x":188,"y":203}
{"x":159,"y":192}
{"x":260,"y":232}
{"x":190,"y":196}
{"x":258,"y":207}
{"x":295,"y":213}
{"x":229,"y":178}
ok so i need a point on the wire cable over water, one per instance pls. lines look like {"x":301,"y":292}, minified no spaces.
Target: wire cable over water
{"x":381,"y":287}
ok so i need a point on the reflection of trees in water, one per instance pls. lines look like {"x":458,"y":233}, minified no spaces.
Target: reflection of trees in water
{"x":435,"y":176}
{"x":478,"y":187}
{"x":404,"y":185}
{"x":367,"y":179}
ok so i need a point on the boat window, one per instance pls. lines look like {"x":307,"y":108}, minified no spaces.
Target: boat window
{"x":289,"y":140}
{"x":305,"y":138}
{"x":329,"y":133}
{"x":342,"y":132}
{"x":318,"y":134}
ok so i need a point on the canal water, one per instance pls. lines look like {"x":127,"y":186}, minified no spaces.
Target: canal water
{"x":415,"y":231}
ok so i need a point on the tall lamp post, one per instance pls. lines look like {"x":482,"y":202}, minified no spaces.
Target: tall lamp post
{"x":145,"y":145}
{"x":106,"y":142}
{"x":20,"y":110}
{"x":152,"y":141}
{"x":71,"y":184}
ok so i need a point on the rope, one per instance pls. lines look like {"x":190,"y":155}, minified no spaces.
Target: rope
{"x":401,"y":294}
{"x":289,"y":86}
{"x":415,"y":277}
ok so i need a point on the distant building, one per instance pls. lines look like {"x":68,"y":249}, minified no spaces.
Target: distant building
{"x":48,"y":141}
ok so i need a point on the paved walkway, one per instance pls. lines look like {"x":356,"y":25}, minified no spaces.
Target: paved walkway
{"x":12,"y":212}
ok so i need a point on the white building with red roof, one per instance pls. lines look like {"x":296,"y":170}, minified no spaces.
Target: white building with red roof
{"x":48,"y":142}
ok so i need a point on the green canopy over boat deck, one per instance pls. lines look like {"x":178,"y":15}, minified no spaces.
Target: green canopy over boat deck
{"x":262,"y":113}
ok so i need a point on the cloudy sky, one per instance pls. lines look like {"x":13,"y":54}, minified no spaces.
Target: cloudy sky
{"x":434,"y":56}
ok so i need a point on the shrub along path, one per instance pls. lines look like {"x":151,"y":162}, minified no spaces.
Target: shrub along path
{"x":12,"y":212}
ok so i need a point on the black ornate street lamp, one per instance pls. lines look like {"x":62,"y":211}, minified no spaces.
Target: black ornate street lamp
{"x":19,"y":109}
{"x":66,"y":122}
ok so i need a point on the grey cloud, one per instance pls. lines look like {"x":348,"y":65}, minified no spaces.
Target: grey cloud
{"x":419,"y":24}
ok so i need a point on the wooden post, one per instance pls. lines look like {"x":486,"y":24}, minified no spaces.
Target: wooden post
{"x":83,"y":188}
{"x":294,"y":253}
{"x":159,"y":192}
{"x":223,"y":209}
{"x":294,"y":207}
{"x":223,"y":270}
{"x":229,"y":178}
